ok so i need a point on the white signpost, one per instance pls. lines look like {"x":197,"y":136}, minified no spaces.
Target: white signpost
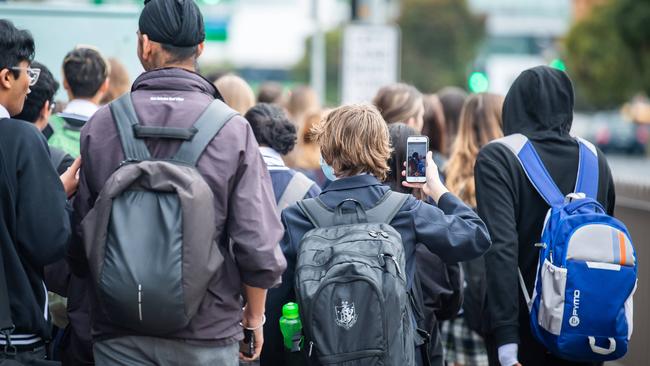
{"x":371,"y":59}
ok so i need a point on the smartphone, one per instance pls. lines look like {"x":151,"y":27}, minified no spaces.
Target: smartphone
{"x":416,"y":159}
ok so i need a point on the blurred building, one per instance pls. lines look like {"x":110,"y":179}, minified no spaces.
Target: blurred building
{"x":520,"y":34}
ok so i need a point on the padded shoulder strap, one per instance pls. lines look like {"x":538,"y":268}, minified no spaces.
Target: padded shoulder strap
{"x":125,"y":118}
{"x":296,"y":190}
{"x":384,"y":212}
{"x":587,"y":180}
{"x":534,"y":168}
{"x":317,"y":213}
{"x":208,"y":126}
{"x":387,"y":207}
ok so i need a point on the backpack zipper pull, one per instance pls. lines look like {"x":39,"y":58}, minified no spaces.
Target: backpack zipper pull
{"x":399,"y":271}
{"x":311,"y":346}
{"x":373,"y":234}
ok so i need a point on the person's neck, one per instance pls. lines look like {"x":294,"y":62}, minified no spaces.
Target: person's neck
{"x":179,"y":65}
{"x":94,"y":100}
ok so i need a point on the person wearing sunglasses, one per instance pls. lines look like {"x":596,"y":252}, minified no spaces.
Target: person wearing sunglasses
{"x":34,"y":223}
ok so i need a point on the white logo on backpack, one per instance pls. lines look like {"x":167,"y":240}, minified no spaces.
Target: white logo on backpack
{"x":574,"y":320}
{"x":346,"y":315}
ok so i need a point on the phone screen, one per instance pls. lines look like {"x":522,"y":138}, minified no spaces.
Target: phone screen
{"x":416,"y":159}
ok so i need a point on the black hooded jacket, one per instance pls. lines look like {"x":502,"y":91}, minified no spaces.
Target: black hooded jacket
{"x":539,"y":105}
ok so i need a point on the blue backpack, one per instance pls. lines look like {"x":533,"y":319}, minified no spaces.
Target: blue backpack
{"x":581,"y":307}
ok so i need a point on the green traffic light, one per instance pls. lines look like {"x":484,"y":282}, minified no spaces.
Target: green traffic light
{"x":558,"y":64}
{"x":478,"y":82}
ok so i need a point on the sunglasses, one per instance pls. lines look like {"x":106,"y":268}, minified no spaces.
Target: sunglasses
{"x":32,"y":73}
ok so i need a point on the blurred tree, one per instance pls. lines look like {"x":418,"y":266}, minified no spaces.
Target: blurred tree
{"x":440,"y":39}
{"x":608,"y":53}
{"x":333,"y":45}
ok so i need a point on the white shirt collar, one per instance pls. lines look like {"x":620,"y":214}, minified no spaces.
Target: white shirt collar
{"x":81,"y":107}
{"x":272,"y":158}
{"x":4,"y":113}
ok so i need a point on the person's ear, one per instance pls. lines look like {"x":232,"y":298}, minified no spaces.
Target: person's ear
{"x":6,"y":78}
{"x":146,"y":47}
{"x":199,"y":49}
{"x":66,"y":86}
{"x":105,"y":85}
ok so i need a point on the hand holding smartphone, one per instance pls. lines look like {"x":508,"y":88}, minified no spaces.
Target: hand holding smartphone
{"x":416,"y":159}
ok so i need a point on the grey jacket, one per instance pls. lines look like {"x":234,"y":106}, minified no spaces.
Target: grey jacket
{"x":243,"y":198}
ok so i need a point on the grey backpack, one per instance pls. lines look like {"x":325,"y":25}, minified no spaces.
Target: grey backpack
{"x":150,"y":238}
{"x":351,"y":285}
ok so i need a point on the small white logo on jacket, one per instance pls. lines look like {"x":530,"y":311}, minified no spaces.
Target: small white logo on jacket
{"x":574,"y":321}
{"x":346,"y":316}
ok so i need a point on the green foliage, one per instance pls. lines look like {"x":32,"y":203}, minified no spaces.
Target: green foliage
{"x":440,"y":39}
{"x":608,"y":53}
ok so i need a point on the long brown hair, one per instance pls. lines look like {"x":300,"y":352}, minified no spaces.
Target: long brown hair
{"x":479,"y":123}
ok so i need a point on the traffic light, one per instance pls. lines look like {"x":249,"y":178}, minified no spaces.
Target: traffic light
{"x":478,"y":82}
{"x":558,"y":64}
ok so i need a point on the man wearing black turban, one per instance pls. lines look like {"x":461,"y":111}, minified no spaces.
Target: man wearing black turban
{"x":176,"y":27}
{"x":171,"y":96}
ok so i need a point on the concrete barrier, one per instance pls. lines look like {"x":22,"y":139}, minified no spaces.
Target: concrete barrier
{"x":633,"y":208}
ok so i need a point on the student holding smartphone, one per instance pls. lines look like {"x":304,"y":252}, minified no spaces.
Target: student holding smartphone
{"x":354,"y":143}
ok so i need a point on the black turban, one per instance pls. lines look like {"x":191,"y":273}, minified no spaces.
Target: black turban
{"x":175,"y":22}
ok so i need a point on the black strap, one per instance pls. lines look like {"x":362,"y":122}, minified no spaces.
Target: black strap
{"x":208,"y":126}
{"x":384,"y":212}
{"x":125,"y":118}
{"x":172,"y":133}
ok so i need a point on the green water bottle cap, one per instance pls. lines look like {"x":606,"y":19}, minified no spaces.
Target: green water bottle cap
{"x":290,"y":310}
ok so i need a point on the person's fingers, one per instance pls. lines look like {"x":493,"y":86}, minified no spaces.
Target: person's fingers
{"x":412,"y":185}
{"x":403,"y":173}
{"x":75,"y":165}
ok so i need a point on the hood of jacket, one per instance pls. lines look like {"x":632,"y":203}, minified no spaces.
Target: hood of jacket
{"x":539,"y":104}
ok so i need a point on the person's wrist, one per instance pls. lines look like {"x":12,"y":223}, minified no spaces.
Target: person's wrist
{"x":252,"y":319}
{"x":437,"y":189}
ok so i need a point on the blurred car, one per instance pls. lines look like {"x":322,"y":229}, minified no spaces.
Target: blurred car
{"x":612,"y":132}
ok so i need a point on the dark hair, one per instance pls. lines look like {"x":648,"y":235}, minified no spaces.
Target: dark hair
{"x":270,"y":92}
{"x":272,"y":127}
{"x":85,"y":70}
{"x":41,"y":92}
{"x":434,"y":124}
{"x":399,"y":134}
{"x":452,"y":99}
{"x":16,"y":45}
{"x":179,"y":54}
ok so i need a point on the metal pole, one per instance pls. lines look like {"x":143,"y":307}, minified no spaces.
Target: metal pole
{"x":317,"y":67}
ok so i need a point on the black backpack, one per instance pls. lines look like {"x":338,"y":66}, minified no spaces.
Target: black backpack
{"x":351,"y":285}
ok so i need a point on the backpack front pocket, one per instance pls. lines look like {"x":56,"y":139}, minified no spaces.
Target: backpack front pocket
{"x":347,"y":322}
{"x":551,"y":304}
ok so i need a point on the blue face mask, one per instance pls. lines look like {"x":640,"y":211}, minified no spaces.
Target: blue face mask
{"x":327,"y":170}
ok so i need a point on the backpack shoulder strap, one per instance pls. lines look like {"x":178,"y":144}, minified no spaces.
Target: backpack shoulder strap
{"x":587,"y":180}
{"x":387,"y":207}
{"x":215,"y":116}
{"x":125,"y":118}
{"x":315,"y":210}
{"x":533,"y":167}
{"x":296,"y":190}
